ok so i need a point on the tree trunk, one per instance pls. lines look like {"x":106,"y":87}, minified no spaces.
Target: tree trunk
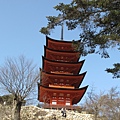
{"x":16,"y":110}
{"x":96,"y":112}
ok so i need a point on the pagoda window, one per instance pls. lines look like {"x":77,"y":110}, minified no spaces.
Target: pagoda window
{"x":61,"y":82}
{"x":68,"y":95}
{"x":67,"y":102}
{"x":57,"y":57}
{"x":62,"y":68}
{"x":67,"y":81}
{"x":67,"y":84}
{"x":56,"y":68}
{"x":61,"y":57}
{"x":54,"y":102}
{"x":66,"y":69}
{"x":61,"y":96}
{"x":54,"y":95}
{"x":67,"y":98}
{"x":55,"y":81}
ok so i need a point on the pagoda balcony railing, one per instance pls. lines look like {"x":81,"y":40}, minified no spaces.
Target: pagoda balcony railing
{"x":61,"y":72}
{"x":59,"y":106}
{"x":61,"y":86}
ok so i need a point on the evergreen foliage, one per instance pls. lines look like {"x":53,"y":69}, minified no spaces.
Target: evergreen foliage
{"x":99,"y":23}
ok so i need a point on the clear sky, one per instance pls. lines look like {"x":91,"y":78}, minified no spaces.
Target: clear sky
{"x":20,"y":22}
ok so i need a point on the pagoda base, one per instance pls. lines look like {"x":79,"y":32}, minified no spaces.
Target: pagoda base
{"x":68,"y":107}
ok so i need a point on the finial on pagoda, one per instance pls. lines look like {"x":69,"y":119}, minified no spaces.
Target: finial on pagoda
{"x":62,"y":25}
{"x":62,"y":31}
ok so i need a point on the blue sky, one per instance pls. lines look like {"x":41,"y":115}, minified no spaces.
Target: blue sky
{"x":20,"y":22}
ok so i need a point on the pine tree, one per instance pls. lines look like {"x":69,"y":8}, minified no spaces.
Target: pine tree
{"x":99,"y":23}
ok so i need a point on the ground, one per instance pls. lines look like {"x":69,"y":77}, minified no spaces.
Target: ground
{"x":36,"y":113}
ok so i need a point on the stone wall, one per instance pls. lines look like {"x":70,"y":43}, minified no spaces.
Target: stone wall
{"x":49,"y":114}
{"x":36,"y":113}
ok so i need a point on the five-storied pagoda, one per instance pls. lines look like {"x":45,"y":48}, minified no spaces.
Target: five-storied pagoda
{"x":60,"y":79}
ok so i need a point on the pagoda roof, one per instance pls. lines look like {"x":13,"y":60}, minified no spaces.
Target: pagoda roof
{"x":59,"y":44}
{"x":69,"y":56}
{"x":61,"y":66}
{"x":73,"y":80}
{"x":76,"y":94}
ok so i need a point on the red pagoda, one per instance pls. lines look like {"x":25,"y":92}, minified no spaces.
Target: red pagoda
{"x":60,"y":79}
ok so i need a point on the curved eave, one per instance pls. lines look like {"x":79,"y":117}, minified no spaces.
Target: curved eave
{"x":71,"y":78}
{"x":63,"y":89}
{"x":62,"y":75}
{"x":73,"y":65}
{"x":62,"y":62}
{"x":78,"y":93}
{"x":63,"y":51}
{"x":71,"y":55}
{"x":60,"y":41}
{"x":59,"y":45}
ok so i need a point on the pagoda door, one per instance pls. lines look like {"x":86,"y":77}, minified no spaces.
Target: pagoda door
{"x":68,"y":100}
{"x":61,"y":100}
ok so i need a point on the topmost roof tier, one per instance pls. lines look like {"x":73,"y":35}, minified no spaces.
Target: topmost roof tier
{"x":60,"y":45}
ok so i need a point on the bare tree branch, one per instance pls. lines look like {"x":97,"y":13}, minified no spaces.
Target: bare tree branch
{"x":19,"y":77}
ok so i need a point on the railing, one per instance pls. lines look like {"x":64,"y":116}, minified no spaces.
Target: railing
{"x":69,"y":107}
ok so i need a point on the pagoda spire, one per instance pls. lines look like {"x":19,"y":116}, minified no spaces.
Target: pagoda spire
{"x":62,"y":26}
